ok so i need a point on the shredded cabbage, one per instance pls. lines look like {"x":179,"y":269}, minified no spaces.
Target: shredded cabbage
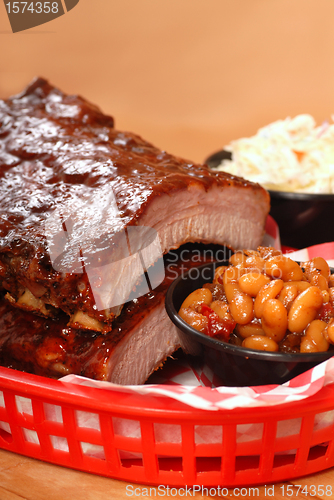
{"x":287,"y":155}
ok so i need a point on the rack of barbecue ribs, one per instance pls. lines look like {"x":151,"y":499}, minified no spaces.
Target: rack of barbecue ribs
{"x":87,"y":212}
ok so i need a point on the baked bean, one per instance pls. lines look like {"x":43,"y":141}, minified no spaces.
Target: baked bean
{"x":331,"y":296}
{"x":301,"y":285}
{"x":307,"y":346}
{"x":254,"y":263}
{"x":319,"y":280}
{"x":249,"y":253}
{"x":316,"y":266}
{"x":219,"y":274}
{"x":241,"y":307}
{"x":230,"y":282}
{"x":196,"y":298}
{"x":322,"y":265}
{"x":284,"y":268}
{"x":288,"y":294}
{"x":274,"y":319}
{"x":252,"y":282}
{"x":237,"y":258}
{"x":314,"y":340}
{"x":304,"y":309}
{"x":231,"y":275}
{"x":221,"y":309}
{"x":194,"y":319}
{"x":252,"y":328}
{"x":260,"y":342}
{"x":329,"y":331}
{"x":231,"y":291}
{"x":268,"y":252}
{"x":268,"y":291}
{"x":325,"y":296}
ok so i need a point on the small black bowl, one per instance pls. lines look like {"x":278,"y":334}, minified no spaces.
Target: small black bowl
{"x":303,"y":218}
{"x":233,"y":365}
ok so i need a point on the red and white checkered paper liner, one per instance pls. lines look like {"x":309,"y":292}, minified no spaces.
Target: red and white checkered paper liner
{"x":199,"y":389}
{"x":217,"y":398}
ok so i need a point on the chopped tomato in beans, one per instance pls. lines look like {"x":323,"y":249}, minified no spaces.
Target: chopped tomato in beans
{"x":326,"y":312}
{"x":217,"y":327}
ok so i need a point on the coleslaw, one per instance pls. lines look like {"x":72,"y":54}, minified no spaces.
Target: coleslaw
{"x":287,"y":155}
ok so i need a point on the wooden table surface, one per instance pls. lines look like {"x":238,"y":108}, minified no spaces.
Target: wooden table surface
{"x":25,"y":478}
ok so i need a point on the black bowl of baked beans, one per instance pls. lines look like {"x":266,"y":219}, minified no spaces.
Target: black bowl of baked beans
{"x":259,"y":318}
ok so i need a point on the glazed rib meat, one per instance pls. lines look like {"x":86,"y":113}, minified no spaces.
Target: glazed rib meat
{"x":141,"y":339}
{"x":139,"y":343}
{"x":86,"y":211}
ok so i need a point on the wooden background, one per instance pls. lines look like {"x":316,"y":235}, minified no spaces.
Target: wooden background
{"x":189,"y":76}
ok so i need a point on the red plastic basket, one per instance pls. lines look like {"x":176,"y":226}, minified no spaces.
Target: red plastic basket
{"x":227,"y":462}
